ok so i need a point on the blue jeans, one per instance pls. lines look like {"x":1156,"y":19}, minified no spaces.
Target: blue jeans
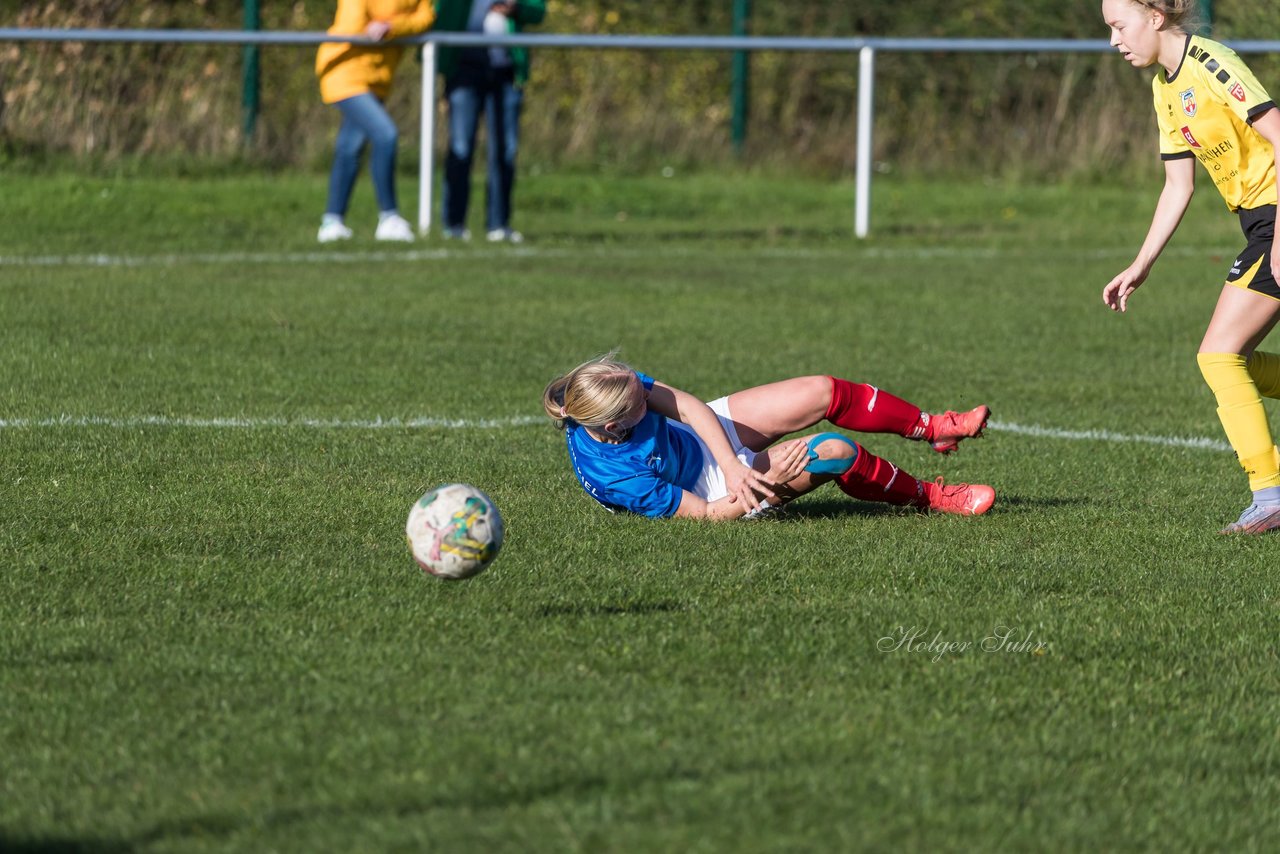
{"x":364,"y":120}
{"x":497,"y":96}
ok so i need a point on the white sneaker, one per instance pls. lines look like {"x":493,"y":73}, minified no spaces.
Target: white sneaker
{"x":394,"y":227}
{"x":510,"y":235}
{"x":456,"y":232}
{"x":331,"y":231}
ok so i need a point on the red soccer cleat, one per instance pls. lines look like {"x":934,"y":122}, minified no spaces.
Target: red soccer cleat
{"x":963,"y":499}
{"x":945,"y":431}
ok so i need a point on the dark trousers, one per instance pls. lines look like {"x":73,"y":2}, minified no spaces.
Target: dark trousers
{"x":494,"y":94}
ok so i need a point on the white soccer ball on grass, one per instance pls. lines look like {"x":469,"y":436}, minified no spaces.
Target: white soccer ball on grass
{"x":454,"y":531}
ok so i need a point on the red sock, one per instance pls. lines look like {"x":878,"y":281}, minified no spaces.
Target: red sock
{"x":873,"y":479}
{"x":868,"y":409}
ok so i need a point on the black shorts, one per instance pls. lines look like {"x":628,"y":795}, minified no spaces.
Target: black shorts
{"x":1252,"y":269}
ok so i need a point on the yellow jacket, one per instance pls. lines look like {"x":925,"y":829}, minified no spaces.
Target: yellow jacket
{"x":347,"y":70}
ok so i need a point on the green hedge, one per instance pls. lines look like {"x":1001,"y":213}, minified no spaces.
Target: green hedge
{"x":1003,"y":114}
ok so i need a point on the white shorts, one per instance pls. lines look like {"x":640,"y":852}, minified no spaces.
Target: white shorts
{"x":710,"y":485}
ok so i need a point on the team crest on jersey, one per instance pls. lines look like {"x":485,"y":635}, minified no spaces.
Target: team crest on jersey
{"x":1191,"y":140}
{"x":1237,"y":92}
{"x":1189,"y":103}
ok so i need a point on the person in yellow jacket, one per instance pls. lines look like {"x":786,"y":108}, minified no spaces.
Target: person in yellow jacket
{"x":356,"y":79}
{"x":1210,"y":108}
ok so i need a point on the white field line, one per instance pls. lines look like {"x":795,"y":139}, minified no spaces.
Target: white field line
{"x":418,"y":255}
{"x":1197,"y":443}
{"x":273,"y":423}
{"x":1037,"y":431}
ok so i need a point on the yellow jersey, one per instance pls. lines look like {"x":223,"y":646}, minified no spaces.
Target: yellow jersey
{"x":1205,"y":109}
{"x":346,"y":70}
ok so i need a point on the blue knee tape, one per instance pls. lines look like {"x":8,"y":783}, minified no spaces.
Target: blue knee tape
{"x":836,"y":466}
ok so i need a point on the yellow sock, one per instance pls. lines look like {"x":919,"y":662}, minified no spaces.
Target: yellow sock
{"x":1243,"y":418}
{"x":1265,"y":370}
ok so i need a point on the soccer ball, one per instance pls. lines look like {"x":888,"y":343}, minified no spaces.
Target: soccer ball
{"x":454,"y":531}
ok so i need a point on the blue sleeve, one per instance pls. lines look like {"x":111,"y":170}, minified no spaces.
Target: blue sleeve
{"x":646,"y":494}
{"x":645,"y":380}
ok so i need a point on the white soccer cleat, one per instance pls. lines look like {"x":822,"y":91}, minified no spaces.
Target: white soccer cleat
{"x":456,"y":232}
{"x":394,"y":227}
{"x":331,"y":232}
{"x":1256,"y":519}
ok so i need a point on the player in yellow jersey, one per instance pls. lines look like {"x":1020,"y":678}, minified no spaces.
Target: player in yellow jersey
{"x":1210,"y":107}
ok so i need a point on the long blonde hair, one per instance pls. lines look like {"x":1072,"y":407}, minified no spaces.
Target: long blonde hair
{"x":593,"y":394}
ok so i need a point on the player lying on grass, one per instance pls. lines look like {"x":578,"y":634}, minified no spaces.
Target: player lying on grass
{"x":1210,"y":107}
{"x":640,"y":445}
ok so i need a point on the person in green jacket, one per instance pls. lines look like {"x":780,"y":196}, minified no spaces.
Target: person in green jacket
{"x":488,"y":80}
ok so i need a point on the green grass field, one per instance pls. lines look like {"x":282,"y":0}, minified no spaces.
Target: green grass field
{"x":212,"y":637}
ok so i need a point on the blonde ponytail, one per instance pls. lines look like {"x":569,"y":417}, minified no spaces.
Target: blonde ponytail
{"x":593,"y":394}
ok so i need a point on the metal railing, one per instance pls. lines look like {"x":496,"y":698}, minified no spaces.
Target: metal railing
{"x":866,"y":48}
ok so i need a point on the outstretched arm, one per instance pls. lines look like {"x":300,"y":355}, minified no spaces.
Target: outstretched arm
{"x":1179,"y":184}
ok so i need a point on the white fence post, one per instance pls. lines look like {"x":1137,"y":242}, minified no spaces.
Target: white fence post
{"x":866,"y":109}
{"x":426,"y":154}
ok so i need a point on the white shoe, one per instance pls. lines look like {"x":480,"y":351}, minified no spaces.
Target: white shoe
{"x":394,"y":227}
{"x":1256,"y":519}
{"x":510,"y":235}
{"x":332,"y":231}
{"x":456,"y":232}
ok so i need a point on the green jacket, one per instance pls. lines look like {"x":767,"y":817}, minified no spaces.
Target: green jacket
{"x":452,"y":15}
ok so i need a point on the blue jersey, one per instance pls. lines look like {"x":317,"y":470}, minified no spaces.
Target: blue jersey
{"x":645,"y":474}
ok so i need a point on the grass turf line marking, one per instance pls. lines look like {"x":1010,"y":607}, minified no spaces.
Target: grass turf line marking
{"x":1035,"y":430}
{"x":415,"y":255}
{"x":1109,"y":436}
{"x":269,"y":423}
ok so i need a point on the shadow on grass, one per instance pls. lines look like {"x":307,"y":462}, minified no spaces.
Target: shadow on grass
{"x":588,"y":609}
{"x":399,"y":806}
{"x":1033,"y":504}
{"x":832,"y":508}
{"x":51,"y":845}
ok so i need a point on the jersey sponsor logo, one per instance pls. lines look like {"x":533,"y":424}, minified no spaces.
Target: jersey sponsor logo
{"x":1189,"y":102}
{"x":1191,"y":140}
{"x":1237,"y":92}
